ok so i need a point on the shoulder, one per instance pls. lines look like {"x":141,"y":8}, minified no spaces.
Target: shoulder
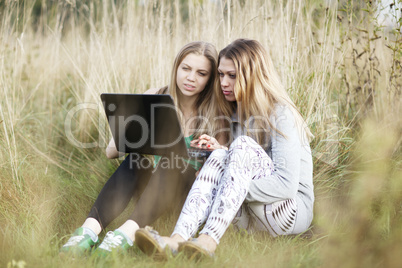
{"x":162,"y":90}
{"x":152,"y":91}
{"x":283,"y":114}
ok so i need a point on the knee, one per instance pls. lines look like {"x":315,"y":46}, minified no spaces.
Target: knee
{"x":216,"y":159}
{"x":240,"y":141}
{"x":218,"y":154}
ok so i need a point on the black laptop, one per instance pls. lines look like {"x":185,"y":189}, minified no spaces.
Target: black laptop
{"x":147,"y":124}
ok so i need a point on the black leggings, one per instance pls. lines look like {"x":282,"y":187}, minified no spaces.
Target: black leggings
{"x":165,"y":190}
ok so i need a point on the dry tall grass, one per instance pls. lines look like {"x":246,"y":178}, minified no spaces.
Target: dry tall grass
{"x":341,"y":69}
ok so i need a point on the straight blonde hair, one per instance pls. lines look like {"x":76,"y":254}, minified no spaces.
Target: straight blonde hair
{"x":257,"y":89}
{"x":206,"y":104}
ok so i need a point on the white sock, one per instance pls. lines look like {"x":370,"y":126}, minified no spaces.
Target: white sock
{"x":129,"y":228}
{"x":93,"y":224}
{"x":130,"y":242}
{"x":91,"y":233}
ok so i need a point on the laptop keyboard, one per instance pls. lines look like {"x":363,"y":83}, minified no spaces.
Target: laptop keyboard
{"x":198,"y":153}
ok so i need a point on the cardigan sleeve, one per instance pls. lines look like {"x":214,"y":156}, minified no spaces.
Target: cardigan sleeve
{"x":286,"y":152}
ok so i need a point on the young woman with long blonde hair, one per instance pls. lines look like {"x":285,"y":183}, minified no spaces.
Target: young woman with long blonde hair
{"x":264,"y":181}
{"x":192,"y":84}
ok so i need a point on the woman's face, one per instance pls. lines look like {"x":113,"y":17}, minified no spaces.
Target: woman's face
{"x":193,"y":74}
{"x":227,"y":77}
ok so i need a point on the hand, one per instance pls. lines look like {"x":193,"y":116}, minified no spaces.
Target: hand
{"x":207,"y":142}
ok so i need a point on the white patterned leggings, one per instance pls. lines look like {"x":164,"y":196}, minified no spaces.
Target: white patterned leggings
{"x":217,"y":195}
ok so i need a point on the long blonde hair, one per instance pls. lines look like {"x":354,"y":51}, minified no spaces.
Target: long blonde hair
{"x":257,"y":89}
{"x":206,"y":104}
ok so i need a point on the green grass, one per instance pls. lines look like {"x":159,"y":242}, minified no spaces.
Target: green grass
{"x":340,"y":67}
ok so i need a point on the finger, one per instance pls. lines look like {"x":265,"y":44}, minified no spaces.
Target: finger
{"x":202,"y":143}
{"x":205,"y":136}
{"x":212,"y":147}
{"x":202,"y":140}
{"x":195,"y":145}
{"x":213,"y":140}
{"x":195,"y":141}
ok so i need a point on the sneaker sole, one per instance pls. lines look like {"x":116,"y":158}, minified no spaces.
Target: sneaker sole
{"x":147,"y":243}
{"x":193,"y":251}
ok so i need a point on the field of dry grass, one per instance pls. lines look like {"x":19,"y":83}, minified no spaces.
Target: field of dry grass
{"x":340,"y":66}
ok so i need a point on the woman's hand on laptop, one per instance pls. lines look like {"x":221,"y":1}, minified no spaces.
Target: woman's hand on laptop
{"x":207,"y":142}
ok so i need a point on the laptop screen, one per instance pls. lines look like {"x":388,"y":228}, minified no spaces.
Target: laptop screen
{"x":145,"y":124}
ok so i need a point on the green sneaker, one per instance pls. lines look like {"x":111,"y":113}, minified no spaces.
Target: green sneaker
{"x":114,"y":241}
{"x":79,"y":243}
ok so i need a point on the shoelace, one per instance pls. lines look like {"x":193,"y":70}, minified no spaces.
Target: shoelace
{"x":74,"y":240}
{"x":111,"y":241}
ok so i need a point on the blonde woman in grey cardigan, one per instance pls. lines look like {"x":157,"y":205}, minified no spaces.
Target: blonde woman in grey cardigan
{"x":264,"y":180}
